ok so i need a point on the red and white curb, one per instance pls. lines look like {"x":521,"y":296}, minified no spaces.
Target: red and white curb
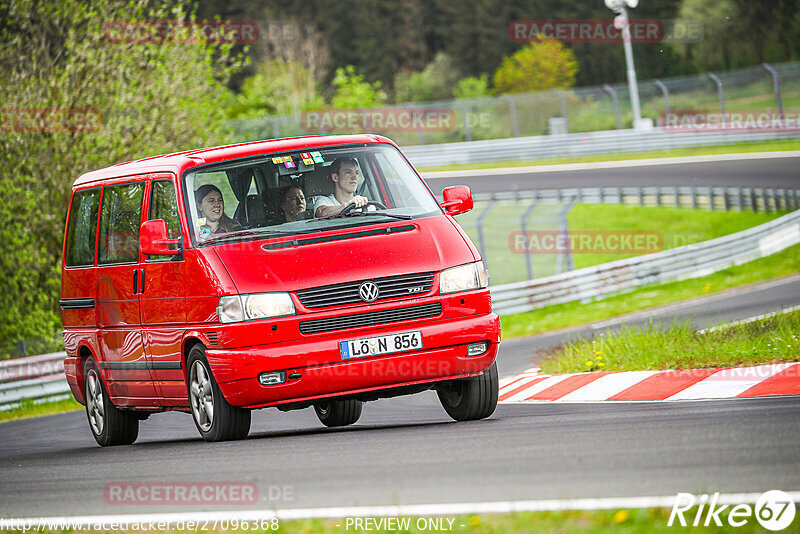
{"x":687,"y":384}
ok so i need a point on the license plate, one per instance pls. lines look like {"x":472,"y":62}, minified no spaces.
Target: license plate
{"x":374,"y":346}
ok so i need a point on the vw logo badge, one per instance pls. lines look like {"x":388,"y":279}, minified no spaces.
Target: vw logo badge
{"x":368,"y":291}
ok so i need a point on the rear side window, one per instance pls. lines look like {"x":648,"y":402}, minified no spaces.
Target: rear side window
{"x":82,"y":228}
{"x":164,"y":206}
{"x":120,"y":219}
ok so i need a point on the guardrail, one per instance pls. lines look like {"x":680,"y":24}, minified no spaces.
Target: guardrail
{"x":690,"y":261}
{"x":696,"y":197}
{"x":36,"y":377}
{"x":577,"y":144}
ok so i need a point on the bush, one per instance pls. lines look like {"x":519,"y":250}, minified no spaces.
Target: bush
{"x":543,"y":64}
{"x":144,"y":99}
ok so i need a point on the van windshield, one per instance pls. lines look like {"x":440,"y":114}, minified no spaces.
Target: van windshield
{"x":304,"y":191}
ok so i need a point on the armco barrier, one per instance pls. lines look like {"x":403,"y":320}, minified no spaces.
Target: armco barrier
{"x":32,"y":378}
{"x":555,"y":146}
{"x":691,"y":261}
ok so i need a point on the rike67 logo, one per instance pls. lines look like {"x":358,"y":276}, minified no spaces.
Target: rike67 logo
{"x":774,"y":510}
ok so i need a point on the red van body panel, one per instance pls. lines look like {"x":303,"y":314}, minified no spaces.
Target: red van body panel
{"x":140,"y":334}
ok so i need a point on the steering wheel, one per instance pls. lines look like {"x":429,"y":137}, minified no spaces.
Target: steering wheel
{"x":351,"y":207}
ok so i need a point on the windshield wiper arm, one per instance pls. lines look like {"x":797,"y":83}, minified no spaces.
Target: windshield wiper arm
{"x":362,"y":214}
{"x":248,"y":233}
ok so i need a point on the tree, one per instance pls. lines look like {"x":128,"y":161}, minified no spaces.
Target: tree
{"x":75,"y":99}
{"x":434,"y":82}
{"x":352,"y":91}
{"x":472,"y":87}
{"x":542,"y":64}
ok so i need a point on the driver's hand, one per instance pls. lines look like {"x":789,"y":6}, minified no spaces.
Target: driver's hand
{"x":359,"y":201}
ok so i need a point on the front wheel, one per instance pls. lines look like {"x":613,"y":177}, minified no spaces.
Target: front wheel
{"x":215,"y":418}
{"x":471,"y":398}
{"x":338,"y":412}
{"x":109,"y":425}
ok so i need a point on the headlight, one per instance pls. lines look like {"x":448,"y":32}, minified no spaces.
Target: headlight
{"x":236,"y":308}
{"x":463,"y":278}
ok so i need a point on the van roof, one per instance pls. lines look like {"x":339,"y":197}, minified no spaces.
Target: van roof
{"x":181,"y":161}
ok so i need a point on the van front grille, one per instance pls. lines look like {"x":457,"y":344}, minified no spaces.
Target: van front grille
{"x":315,"y":326}
{"x":405,"y":285}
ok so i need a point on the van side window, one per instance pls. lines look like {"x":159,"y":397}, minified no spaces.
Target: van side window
{"x":82,"y":232}
{"x":164,"y":206}
{"x":120,"y":219}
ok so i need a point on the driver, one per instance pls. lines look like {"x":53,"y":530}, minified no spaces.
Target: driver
{"x":344,"y":173}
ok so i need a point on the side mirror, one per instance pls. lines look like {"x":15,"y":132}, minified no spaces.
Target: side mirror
{"x":457,"y":199}
{"x":154,"y":239}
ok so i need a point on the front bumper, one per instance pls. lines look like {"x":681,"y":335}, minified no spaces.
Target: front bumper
{"x":322,"y":372}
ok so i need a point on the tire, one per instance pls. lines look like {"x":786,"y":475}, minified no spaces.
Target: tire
{"x":338,"y":412}
{"x":214,"y":417}
{"x":109,"y":425}
{"x":469,"y":399}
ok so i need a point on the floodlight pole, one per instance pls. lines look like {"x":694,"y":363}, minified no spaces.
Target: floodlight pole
{"x":633,"y":87}
{"x":619,"y":7}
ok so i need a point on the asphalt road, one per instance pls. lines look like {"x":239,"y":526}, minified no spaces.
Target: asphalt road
{"x":773,"y":172}
{"x":407,"y":451}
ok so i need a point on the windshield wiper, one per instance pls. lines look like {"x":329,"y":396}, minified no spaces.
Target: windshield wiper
{"x":248,"y":233}
{"x":362,"y":214}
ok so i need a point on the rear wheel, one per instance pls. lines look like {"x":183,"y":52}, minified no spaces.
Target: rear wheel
{"x":338,"y":412}
{"x":214,"y":417}
{"x":109,"y":425}
{"x":471,"y":398}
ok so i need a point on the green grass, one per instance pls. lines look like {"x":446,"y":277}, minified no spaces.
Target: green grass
{"x":655,"y":347}
{"x":29,"y":409}
{"x":770,"y":146}
{"x":674,"y":227}
{"x":671,"y":227}
{"x":783,"y":263}
{"x":630,"y":521}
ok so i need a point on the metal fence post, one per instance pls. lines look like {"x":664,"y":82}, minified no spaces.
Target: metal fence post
{"x":564,"y":230}
{"x":524,"y":226}
{"x":512,"y":112}
{"x":563,"y":102}
{"x":467,"y":127}
{"x":776,"y":84}
{"x":665,"y":93}
{"x":479,"y":224}
{"x":276,"y":132}
{"x":694,"y":197}
{"x":613,"y":94}
{"x":721,"y":94}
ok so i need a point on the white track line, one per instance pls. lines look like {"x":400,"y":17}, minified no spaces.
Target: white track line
{"x":571,"y":167}
{"x":748,"y":320}
{"x":491,"y":507}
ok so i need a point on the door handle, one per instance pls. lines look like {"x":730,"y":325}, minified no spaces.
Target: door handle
{"x":142,"y":281}
{"x":135,"y":281}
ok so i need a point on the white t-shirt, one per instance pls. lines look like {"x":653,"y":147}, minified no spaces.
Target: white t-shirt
{"x":329,"y":200}
{"x":321,"y":200}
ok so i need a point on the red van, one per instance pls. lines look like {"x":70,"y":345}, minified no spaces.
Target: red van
{"x":316,"y":271}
